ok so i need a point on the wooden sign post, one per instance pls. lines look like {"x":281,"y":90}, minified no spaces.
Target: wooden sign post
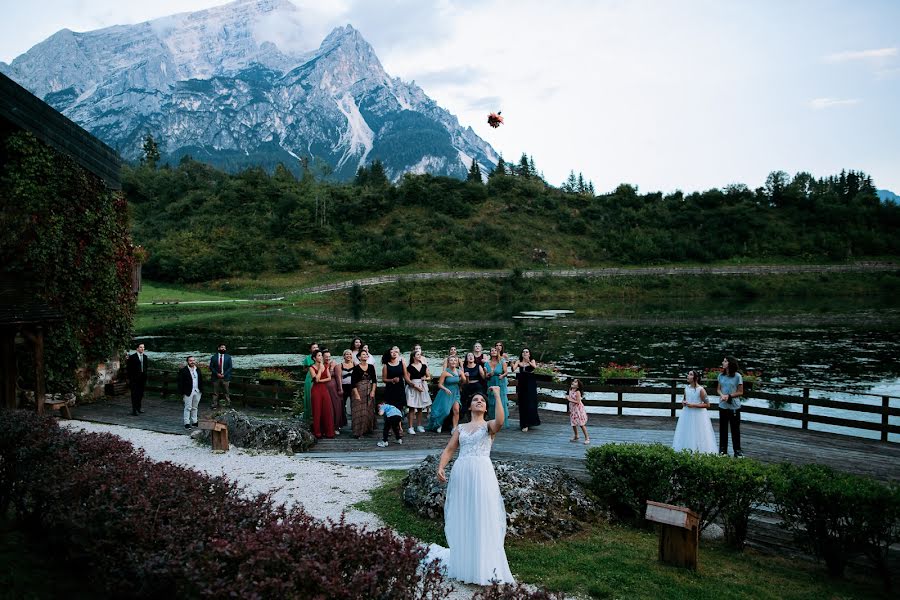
{"x":219,"y":432}
{"x":679,"y":533}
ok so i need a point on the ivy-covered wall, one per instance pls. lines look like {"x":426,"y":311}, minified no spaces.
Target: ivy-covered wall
{"x":67,"y":233}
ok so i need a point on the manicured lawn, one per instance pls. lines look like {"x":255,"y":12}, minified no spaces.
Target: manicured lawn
{"x":162,"y":292}
{"x":612,"y":561}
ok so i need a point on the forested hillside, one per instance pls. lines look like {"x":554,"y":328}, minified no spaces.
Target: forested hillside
{"x":199,"y":223}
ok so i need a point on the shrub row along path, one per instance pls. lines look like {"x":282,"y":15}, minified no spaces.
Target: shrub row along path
{"x":354,"y":462}
{"x":854,"y":267}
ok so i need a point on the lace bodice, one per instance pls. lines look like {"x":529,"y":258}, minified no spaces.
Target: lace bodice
{"x":692,"y":395}
{"x":477,"y":443}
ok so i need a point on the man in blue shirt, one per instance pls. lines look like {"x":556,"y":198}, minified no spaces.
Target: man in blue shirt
{"x":392,"y":419}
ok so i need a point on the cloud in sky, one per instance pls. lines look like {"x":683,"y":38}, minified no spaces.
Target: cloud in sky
{"x":868,"y":55}
{"x":823,"y":103}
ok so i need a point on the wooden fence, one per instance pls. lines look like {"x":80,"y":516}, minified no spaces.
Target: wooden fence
{"x":246,"y":391}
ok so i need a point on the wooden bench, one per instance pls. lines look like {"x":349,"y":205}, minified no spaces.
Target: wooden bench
{"x":679,"y":533}
{"x":219,"y":432}
{"x":61,"y":405}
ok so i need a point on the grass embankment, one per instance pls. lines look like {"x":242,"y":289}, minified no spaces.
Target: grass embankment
{"x":612,"y":561}
{"x":536,"y":288}
{"x":630,"y":288}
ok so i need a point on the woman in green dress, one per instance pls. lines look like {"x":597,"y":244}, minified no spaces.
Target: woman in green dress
{"x":308,"y":383}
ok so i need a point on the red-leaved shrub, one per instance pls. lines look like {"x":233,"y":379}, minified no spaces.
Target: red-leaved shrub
{"x":149,"y":529}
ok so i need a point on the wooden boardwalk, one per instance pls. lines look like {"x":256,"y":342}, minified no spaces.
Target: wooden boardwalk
{"x":547,"y":444}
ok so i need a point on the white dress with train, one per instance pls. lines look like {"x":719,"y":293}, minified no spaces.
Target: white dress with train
{"x":694,"y":430}
{"x":474,"y":514}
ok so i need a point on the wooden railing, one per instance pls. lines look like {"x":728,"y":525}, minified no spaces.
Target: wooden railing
{"x":246,"y":391}
{"x":772,"y":392}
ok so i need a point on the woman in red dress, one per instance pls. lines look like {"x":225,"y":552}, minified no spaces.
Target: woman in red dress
{"x":322,"y":410}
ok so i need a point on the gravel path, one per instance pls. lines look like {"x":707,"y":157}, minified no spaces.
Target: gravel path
{"x":323,"y":489}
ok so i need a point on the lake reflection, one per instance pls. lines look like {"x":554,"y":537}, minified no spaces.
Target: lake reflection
{"x":837,"y":343}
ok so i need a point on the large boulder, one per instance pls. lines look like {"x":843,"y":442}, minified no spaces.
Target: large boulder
{"x":541,"y":501}
{"x":288,"y":435}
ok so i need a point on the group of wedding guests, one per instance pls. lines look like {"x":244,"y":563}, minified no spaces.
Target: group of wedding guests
{"x":330,"y":384}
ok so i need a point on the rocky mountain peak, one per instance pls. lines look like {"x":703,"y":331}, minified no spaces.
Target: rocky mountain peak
{"x":239,"y":85}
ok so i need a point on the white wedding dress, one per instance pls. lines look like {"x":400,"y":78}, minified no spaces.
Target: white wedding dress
{"x":694,"y":430}
{"x":474,"y":514}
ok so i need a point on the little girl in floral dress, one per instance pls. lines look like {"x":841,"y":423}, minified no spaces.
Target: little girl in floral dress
{"x":577,"y":414}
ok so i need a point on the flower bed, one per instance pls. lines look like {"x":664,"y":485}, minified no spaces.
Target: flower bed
{"x":273,"y":376}
{"x":627,"y":374}
{"x":147,"y":529}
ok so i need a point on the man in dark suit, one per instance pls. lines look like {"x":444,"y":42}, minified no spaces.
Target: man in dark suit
{"x":136,"y":372}
{"x":190,"y":386}
{"x":220,"y":373}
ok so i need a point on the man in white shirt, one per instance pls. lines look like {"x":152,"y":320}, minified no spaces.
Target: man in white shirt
{"x":190,"y":386}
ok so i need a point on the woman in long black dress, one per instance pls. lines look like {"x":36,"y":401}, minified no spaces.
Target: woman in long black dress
{"x":473,"y":381}
{"x":393,"y":375}
{"x":526,"y":391}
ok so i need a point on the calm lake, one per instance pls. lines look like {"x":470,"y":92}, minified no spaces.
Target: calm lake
{"x":836,"y":346}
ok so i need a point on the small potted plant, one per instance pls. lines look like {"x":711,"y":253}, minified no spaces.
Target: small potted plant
{"x":547,"y":372}
{"x":273,"y":376}
{"x":626,"y":374}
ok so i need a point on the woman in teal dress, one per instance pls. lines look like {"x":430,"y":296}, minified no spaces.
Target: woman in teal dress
{"x":495,"y":371}
{"x":308,"y":383}
{"x":447,"y":399}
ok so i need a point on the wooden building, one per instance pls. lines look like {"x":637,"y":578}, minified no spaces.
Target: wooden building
{"x":23,"y":317}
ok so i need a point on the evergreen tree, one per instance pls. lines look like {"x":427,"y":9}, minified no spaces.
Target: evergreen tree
{"x":523,"y":170}
{"x":151,"y":152}
{"x":570,"y":184}
{"x":474,"y":173}
{"x":499,"y":170}
{"x":580,"y":185}
{"x":531,"y":168}
{"x":377,"y":176}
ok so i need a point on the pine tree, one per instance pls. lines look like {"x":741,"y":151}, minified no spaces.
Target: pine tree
{"x":151,"y":152}
{"x":474,"y":173}
{"x":523,"y":170}
{"x":570,"y":184}
{"x":377,"y":176}
{"x":580,"y":186}
{"x":499,"y":170}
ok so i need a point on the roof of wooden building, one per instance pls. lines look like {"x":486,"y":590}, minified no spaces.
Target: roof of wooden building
{"x":28,"y":112}
{"x":19,"y":304}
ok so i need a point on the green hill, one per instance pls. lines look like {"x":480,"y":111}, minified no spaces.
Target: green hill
{"x":200,"y":224}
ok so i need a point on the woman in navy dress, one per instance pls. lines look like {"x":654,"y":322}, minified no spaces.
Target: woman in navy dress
{"x":526,"y":391}
{"x":393,"y":374}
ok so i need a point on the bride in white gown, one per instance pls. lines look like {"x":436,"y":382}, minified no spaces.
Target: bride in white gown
{"x":474,"y":513}
{"x":694,"y":430}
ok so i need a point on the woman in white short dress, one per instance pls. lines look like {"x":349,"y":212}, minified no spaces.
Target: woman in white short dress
{"x":417,"y":396}
{"x":474,"y":513}
{"x":694,"y":430}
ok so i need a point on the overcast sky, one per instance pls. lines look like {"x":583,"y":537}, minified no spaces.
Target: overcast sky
{"x":665,"y":95}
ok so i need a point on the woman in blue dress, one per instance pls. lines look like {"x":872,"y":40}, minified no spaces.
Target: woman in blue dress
{"x":447,"y":400}
{"x":495,"y":371}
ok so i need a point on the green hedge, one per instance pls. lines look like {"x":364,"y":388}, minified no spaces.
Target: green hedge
{"x":834,"y":515}
{"x":837,"y":516}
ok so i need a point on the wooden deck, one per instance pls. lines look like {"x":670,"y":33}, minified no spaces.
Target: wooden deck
{"x":548,"y":443}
